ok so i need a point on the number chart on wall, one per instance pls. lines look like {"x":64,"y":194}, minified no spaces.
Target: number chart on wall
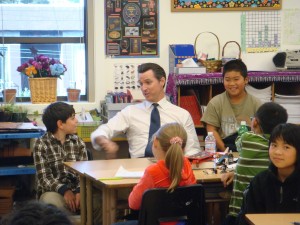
{"x":132,"y":28}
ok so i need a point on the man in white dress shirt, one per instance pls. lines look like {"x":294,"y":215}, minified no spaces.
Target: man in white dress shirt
{"x":134,"y":120}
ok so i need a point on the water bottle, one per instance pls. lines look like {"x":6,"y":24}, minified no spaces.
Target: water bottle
{"x":243,"y":128}
{"x":210,"y":143}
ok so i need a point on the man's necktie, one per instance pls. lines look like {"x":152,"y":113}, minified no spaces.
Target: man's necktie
{"x":154,"y":126}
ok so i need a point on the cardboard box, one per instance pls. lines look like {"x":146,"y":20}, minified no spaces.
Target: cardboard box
{"x":190,"y":70}
{"x":178,"y":53}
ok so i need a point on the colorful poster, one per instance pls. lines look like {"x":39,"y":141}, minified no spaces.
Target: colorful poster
{"x":210,"y":5}
{"x":132,"y":28}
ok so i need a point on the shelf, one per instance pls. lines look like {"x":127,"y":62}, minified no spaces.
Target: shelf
{"x":6,"y":171}
{"x":17,"y":135}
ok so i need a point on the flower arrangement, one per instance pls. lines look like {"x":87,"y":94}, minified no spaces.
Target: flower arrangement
{"x":42,"y":66}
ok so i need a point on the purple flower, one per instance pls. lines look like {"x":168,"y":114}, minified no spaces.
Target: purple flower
{"x":44,"y":66}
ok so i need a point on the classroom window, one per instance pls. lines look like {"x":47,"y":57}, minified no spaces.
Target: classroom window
{"x":55,"y":28}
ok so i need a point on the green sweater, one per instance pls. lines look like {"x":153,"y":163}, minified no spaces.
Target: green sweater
{"x":254,"y":158}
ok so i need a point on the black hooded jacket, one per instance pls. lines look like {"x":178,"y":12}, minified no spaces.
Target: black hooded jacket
{"x":267,"y":194}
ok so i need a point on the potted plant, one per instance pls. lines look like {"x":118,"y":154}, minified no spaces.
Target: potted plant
{"x":6,"y":112}
{"x":73,"y":93}
{"x":9,"y":95}
{"x":43,"y":73}
{"x":19,"y":113}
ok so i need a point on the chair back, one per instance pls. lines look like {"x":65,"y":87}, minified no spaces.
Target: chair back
{"x":186,"y":204}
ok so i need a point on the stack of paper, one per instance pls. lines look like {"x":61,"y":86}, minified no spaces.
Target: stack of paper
{"x":123,"y":173}
{"x":263,"y":94}
{"x":292,"y":104}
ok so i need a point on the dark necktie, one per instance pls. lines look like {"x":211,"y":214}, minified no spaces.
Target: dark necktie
{"x":154,"y":126}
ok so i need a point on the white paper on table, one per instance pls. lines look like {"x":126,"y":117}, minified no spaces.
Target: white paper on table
{"x":231,"y":167}
{"x":122,"y":172}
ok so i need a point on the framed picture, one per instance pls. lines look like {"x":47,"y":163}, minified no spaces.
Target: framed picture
{"x":222,"y":5}
{"x":132,"y":28}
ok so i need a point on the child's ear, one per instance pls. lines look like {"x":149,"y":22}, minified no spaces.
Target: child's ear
{"x":59,"y":123}
{"x":255,"y":122}
{"x":155,"y":142}
{"x":246,"y":80}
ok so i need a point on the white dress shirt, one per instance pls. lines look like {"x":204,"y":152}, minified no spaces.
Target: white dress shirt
{"x":134,"y":121}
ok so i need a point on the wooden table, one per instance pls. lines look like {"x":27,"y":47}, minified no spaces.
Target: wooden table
{"x":101,"y":172}
{"x":274,"y":219}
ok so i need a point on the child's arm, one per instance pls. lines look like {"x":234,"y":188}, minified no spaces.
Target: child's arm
{"x":219,"y":141}
{"x":135,"y":197}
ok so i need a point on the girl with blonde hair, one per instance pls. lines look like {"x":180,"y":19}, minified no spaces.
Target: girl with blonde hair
{"x":171,"y":170}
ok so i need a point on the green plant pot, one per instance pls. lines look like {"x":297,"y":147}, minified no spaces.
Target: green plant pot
{"x":19,"y":117}
{"x":5,"y":116}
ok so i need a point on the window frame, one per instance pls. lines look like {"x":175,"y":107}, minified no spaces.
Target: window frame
{"x":87,"y":39}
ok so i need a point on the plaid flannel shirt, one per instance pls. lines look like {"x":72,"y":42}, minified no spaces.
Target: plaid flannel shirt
{"x":49,"y":155}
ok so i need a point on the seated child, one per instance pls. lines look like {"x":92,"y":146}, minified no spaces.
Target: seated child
{"x":253,"y":149}
{"x":277,"y":189}
{"x":172,"y":168}
{"x":55,"y":184}
{"x":225,"y":111}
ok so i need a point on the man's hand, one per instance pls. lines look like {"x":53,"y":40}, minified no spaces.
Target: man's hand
{"x":108,"y":146}
{"x":227,"y":178}
{"x":70,"y":200}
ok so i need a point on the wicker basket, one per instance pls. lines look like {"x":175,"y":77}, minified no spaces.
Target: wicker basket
{"x":210,"y":65}
{"x":226,"y":59}
{"x":84,"y":129}
{"x":43,"y":90}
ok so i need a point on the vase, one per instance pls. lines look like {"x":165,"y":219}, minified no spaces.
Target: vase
{"x":73,"y":94}
{"x":9,"y":95}
{"x":43,"y":90}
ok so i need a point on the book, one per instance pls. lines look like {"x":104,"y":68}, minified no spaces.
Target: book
{"x":191,"y":104}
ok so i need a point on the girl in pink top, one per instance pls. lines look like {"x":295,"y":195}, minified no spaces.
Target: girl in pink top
{"x":172,"y":168}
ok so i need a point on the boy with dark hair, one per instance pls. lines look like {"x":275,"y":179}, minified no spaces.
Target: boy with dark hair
{"x":225,"y":111}
{"x":277,"y":189}
{"x":37,"y":213}
{"x":55,"y":184}
{"x":253,"y":147}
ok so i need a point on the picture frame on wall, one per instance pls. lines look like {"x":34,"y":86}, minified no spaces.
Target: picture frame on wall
{"x":224,"y":5}
{"x":132,"y":28}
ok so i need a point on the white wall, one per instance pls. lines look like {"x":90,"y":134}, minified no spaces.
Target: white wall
{"x":177,"y":28}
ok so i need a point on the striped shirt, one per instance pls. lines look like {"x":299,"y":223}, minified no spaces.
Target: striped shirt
{"x":49,"y":155}
{"x":254,"y":158}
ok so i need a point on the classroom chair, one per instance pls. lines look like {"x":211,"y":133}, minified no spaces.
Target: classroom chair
{"x":185,"y":204}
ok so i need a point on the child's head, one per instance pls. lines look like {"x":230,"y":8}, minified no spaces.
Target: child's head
{"x":268,"y":116}
{"x":171,"y":139}
{"x":57,"y":111}
{"x":235,"y":65}
{"x":235,"y":78}
{"x":284,"y":148}
{"x":37,"y":213}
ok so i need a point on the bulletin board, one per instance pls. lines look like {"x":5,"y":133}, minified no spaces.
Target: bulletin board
{"x":223,"y":5}
{"x":131,"y":28}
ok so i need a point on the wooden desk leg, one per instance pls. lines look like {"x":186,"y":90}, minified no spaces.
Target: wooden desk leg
{"x":83,"y":202}
{"x":109,"y":206}
{"x":89,"y":200}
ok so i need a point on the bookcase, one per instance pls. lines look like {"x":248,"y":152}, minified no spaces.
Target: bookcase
{"x":13,"y":165}
{"x":205,"y":86}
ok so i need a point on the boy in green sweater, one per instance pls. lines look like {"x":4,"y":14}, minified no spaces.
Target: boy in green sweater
{"x":253,"y":149}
